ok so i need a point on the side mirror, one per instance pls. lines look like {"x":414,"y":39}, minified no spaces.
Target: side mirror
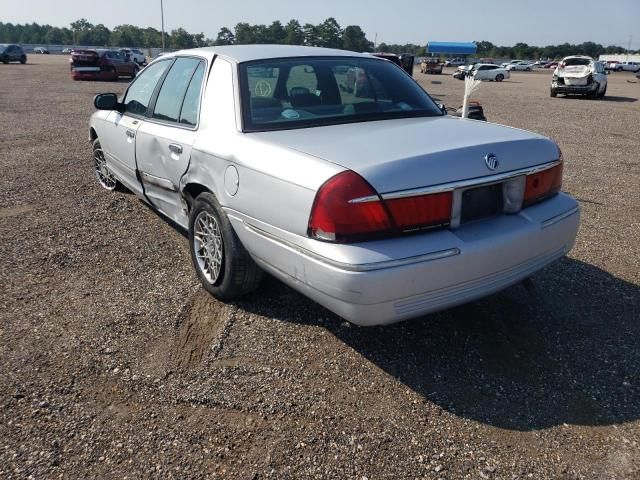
{"x":106,"y":101}
{"x":442,"y":108}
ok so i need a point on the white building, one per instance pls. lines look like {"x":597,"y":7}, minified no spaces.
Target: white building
{"x":620,"y":57}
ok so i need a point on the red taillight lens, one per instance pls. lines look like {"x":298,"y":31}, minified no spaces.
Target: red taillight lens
{"x":542,"y":185}
{"x":419,"y":212}
{"x":335,"y":217}
{"x":348,"y":209}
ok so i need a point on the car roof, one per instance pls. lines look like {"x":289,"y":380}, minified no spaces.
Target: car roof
{"x":577,"y":56}
{"x":247,"y":53}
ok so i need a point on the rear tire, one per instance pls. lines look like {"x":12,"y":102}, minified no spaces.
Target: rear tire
{"x":23,"y":60}
{"x":499,"y":77}
{"x":224,"y":267}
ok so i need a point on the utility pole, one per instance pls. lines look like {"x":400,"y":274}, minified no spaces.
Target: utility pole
{"x":629,"y":48}
{"x":375,"y":42}
{"x":162,"y":20}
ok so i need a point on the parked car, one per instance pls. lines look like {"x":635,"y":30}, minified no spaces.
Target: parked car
{"x":136,"y":55}
{"x":551,"y":65}
{"x":505,"y":64}
{"x":431,"y":65}
{"x":290,"y":175}
{"x":404,"y":61}
{"x":455,"y":62}
{"x":628,"y":67}
{"x":41,"y":50}
{"x":101,"y":64}
{"x":12,"y":53}
{"x":487,"y":71}
{"x":67,"y":51}
{"x":520,"y":65}
{"x":579,"y":75}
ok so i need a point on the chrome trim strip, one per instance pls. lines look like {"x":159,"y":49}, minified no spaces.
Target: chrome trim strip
{"x":557,"y":218}
{"x":362,"y":267}
{"x":370,"y":198}
{"x":447,"y":187}
{"x":159,"y":182}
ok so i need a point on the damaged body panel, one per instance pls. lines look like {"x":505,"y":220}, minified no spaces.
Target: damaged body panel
{"x":579,"y":75}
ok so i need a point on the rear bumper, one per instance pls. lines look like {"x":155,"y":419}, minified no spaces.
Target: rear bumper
{"x":577,"y":89}
{"x":387,"y":281}
{"x":93,"y":75}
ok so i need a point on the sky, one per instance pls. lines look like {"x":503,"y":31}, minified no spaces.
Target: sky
{"x":503,"y":22}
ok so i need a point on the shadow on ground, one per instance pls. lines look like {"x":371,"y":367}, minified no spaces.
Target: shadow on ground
{"x":564,"y":352}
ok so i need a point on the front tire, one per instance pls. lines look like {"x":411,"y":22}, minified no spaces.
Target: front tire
{"x":604,"y":91}
{"x":104,"y":176}
{"x":499,"y":77}
{"x":553,"y":93}
{"x":224,"y":267}
{"x":23,"y":60}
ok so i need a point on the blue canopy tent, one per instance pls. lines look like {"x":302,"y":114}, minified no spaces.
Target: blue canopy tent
{"x":452,"y":48}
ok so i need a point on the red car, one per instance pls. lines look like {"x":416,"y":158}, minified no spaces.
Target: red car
{"x":101,"y":65}
{"x":551,"y":65}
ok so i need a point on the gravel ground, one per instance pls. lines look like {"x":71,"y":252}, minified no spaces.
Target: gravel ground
{"x":116,"y":364}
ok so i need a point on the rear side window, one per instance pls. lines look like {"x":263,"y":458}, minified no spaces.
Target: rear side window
{"x":137,"y":99}
{"x":189,"y":112}
{"x":174,"y":88}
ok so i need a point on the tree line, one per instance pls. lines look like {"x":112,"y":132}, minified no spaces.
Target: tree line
{"x":81,"y":32}
{"x":326,"y":34}
{"x":524,"y":51}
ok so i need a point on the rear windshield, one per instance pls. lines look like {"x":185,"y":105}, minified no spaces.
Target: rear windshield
{"x":576,"y":61}
{"x":307,"y":92}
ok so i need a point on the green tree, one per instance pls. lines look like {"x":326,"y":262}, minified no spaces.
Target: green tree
{"x":245,"y":34}
{"x":330,"y":33}
{"x":180,"y":38}
{"x":294,"y":34}
{"x":353,"y":38}
{"x":100,"y":35}
{"x":225,"y":37}
{"x":276,"y":33}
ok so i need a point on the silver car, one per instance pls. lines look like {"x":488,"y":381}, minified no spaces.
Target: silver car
{"x":336,"y":173}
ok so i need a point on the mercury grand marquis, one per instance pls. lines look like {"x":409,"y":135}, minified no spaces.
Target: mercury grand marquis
{"x":338,"y":174}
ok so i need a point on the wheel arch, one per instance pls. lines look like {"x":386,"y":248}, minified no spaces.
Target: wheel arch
{"x":192,"y":189}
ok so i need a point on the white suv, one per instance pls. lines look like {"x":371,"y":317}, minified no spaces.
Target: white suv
{"x":135,"y":55}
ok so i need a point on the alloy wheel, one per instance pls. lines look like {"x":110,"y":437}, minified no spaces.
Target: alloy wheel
{"x":208,"y":246}
{"x":103,"y":174}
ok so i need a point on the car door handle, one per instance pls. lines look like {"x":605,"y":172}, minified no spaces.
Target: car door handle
{"x":175,"y":148}
{"x":130,"y":134}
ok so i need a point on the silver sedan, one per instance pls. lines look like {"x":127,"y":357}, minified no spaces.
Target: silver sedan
{"x":338,"y":174}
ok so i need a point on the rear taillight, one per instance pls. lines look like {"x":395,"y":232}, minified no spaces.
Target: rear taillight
{"x":420,"y":212}
{"x":542,"y":185}
{"x":336,"y":217}
{"x":348,"y":209}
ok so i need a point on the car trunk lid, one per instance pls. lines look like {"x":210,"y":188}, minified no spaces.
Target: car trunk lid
{"x":85,"y":58}
{"x":406,"y":154}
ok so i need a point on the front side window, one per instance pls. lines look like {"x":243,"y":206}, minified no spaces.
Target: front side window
{"x":315,"y":91}
{"x":139,"y":93}
{"x":173,"y":89}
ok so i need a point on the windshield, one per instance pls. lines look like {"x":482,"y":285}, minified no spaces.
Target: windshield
{"x":3,"y":47}
{"x":576,"y":61}
{"x":307,"y":92}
